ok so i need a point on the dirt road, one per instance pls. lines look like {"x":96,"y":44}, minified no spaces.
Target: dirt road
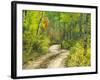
{"x":54,"y":59}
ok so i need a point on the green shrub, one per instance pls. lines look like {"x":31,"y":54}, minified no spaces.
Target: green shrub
{"x":67,"y":44}
{"x":40,"y":44}
{"x":77,"y":57}
{"x":37,"y":46}
{"x":27,"y":57}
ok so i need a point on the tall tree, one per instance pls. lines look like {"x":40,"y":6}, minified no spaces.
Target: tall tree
{"x":80,"y":24}
{"x":71,"y":27}
{"x":39,"y":24}
{"x":85,"y":33}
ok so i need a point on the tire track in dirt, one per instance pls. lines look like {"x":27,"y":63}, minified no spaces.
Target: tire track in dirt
{"x":54,"y":59}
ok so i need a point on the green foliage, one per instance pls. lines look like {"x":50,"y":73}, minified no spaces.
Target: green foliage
{"x":39,"y":46}
{"x":41,"y":29}
{"x":33,"y":45}
{"x":77,"y":56}
{"x":67,"y":44}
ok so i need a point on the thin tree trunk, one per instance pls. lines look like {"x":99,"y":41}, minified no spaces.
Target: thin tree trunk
{"x":39,"y":24}
{"x":71,"y":27}
{"x":80,"y":25}
{"x":25,"y":12}
{"x":64,"y":33}
{"x":60,"y":30}
{"x":85,"y":33}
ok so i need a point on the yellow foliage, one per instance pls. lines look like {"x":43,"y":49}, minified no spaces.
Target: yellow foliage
{"x":77,"y":57}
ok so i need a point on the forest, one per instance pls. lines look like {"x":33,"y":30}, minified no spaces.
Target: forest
{"x":68,"y":33}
